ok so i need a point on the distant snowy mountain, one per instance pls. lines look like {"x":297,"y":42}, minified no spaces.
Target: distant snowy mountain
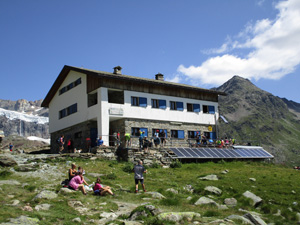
{"x":13,"y":115}
{"x":24,"y":118}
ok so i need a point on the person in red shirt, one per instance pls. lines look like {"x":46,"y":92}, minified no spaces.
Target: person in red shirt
{"x":100,"y":190}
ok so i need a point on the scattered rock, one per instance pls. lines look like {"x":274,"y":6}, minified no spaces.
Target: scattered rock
{"x":298,"y":217}
{"x":209,"y":177}
{"x":252,"y":179}
{"x":15,"y":202}
{"x":205,"y":201}
{"x":230,"y":202}
{"x":42,"y":207}
{"x":156,"y":195}
{"x":66,"y":191}
{"x":189,"y":188}
{"x":240,"y":218}
{"x":23,"y":220}
{"x":96,"y":174}
{"x":222,"y":207}
{"x":6,"y":161}
{"x":255,"y":219}
{"x":225,"y":171}
{"x":172,"y":190}
{"x":9,"y":182}
{"x":45,"y":194}
{"x":256,"y":201}
{"x":75,"y":203}
{"x":76,"y":220}
{"x":177,"y":216}
{"x":27,"y":208}
{"x":213,"y":190}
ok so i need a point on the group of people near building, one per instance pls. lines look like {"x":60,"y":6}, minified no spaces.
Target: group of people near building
{"x":76,"y":180}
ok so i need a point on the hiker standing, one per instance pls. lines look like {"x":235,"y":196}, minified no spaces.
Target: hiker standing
{"x":139,"y":171}
{"x":61,"y":143}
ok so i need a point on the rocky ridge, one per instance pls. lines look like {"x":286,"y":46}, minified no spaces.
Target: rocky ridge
{"x":260,"y":118}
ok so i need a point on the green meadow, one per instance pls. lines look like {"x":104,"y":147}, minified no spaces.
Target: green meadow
{"x":277,"y":185}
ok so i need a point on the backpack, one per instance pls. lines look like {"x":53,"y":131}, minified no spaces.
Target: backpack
{"x":58,"y":141}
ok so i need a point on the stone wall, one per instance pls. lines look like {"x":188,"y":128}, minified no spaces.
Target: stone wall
{"x":78,"y":133}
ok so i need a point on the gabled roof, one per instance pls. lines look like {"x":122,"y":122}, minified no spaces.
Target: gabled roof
{"x":66,"y":69}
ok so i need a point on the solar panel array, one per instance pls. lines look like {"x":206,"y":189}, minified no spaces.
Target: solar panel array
{"x":221,"y":153}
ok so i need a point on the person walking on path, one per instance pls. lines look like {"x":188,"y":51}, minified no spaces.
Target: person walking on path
{"x":11,"y":147}
{"x":139,"y":171}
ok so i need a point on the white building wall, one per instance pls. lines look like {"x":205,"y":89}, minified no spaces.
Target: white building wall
{"x":75,"y":95}
{"x":167,"y":114}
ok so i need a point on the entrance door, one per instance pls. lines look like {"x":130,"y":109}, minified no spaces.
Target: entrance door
{"x":94,"y":135}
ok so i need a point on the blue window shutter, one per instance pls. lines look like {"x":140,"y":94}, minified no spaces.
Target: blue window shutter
{"x":146,"y":131}
{"x":143,"y":102}
{"x":179,"y":106}
{"x":181,"y":134}
{"x":196,"y":107}
{"x":132,"y":101}
{"x":162,"y":104}
{"x":212,"y":135}
{"x":211,"y":109}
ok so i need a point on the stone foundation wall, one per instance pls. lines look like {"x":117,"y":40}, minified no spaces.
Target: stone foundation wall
{"x":78,"y":133}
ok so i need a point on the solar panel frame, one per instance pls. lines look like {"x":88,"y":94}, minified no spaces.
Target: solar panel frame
{"x":239,"y":152}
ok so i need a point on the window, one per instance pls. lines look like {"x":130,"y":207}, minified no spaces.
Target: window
{"x":68,"y":111}
{"x":193,"y":107}
{"x":193,"y":134}
{"x":135,"y":131}
{"x":177,"y":134}
{"x":116,"y":96}
{"x":139,"y":101}
{"x":70,"y":86}
{"x":78,"y":135}
{"x":176,"y":105}
{"x":92,"y":99}
{"x":158,"y":103}
{"x":160,"y":132}
{"x":209,"y":109}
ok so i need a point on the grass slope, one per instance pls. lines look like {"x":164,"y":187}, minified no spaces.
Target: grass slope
{"x":276,"y":185}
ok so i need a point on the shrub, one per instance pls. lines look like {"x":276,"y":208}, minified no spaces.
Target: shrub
{"x":211,"y":213}
{"x":30,"y":188}
{"x":128,"y":168}
{"x":111,"y":176}
{"x":5,"y":173}
{"x":176,"y":164}
{"x":173,"y":201}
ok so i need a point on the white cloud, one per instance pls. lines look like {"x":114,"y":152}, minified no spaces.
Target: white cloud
{"x":273,"y":50}
{"x":175,"y":79}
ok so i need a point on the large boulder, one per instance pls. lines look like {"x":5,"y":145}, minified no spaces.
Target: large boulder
{"x":7,"y":161}
{"x":242,"y":219}
{"x":209,"y":177}
{"x":23,"y":220}
{"x":155,"y":194}
{"x":255,"y":219}
{"x":205,"y":201}
{"x":9,"y":182}
{"x":45,"y":194}
{"x":177,"y":216}
{"x":213,"y":190}
{"x":230,"y":202}
{"x":256,"y":201}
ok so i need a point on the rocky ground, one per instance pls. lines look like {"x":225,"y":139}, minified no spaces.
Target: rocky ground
{"x":37,"y":167}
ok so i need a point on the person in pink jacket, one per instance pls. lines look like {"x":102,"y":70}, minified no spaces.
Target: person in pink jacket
{"x":78,"y":182}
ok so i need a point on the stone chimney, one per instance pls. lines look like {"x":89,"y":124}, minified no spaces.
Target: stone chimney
{"x":159,"y":76}
{"x":117,"y":70}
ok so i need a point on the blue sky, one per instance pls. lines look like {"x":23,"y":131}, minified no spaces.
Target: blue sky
{"x":202,"y":43}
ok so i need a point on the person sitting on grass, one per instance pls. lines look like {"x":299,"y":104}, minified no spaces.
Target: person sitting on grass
{"x":100,"y":190}
{"x":72,"y":171}
{"x":78,"y":182}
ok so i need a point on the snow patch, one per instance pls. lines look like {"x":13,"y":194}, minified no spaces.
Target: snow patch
{"x":13,"y":115}
{"x":34,"y":138}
